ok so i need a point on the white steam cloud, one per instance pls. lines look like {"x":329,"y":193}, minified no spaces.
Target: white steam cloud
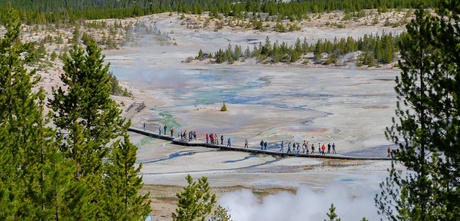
{"x":306,"y":205}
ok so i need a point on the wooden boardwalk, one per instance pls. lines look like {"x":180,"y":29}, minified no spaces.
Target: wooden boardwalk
{"x":133,"y":109}
{"x":178,"y":141}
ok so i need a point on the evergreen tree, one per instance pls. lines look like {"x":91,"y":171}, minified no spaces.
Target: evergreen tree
{"x":332,"y":215}
{"x":267,"y":48}
{"x":90,"y":120}
{"x":30,"y":188}
{"x":388,"y":47}
{"x":427,"y":130}
{"x":86,"y":103}
{"x":10,"y":66}
{"x":200,"y":55}
{"x":305,"y":46}
{"x":294,"y":56}
{"x":318,"y":51}
{"x":220,"y":214}
{"x":411,"y":90}
{"x":298,"y":47}
{"x":62,"y":195}
{"x":220,"y":56}
{"x":237,"y":53}
{"x":76,"y":35}
{"x":447,"y":91}
{"x":122,"y":184}
{"x":196,"y":201}
{"x":224,"y":107}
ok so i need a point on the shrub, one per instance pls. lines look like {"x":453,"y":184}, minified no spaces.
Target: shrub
{"x":224,"y":107}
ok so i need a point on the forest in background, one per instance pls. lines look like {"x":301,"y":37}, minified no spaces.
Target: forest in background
{"x":373,"y":51}
{"x":64,"y":11}
{"x":249,"y":14}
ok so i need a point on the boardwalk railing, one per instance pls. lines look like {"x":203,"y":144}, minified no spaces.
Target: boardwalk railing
{"x":130,"y":106}
{"x":140,"y":107}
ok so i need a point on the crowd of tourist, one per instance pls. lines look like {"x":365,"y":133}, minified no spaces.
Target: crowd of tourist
{"x":305,"y":148}
{"x":292,"y":146}
{"x":297,"y":148}
{"x":191,"y":135}
{"x":214,"y":139}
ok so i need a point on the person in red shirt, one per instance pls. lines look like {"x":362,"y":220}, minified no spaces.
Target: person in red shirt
{"x":323,"y":148}
{"x":207,"y":138}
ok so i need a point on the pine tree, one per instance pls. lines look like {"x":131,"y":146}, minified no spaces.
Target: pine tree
{"x":196,"y":201}
{"x":220,"y":214}
{"x":200,"y":55}
{"x":237,"y":53}
{"x":87,"y":103}
{"x":388,"y":54}
{"x":332,"y":215}
{"x":427,"y":130}
{"x":28,"y":149}
{"x":89,"y":119}
{"x":318,"y":51}
{"x":224,"y":107}
{"x":10,"y":194}
{"x":445,"y":108}
{"x":122,"y":184}
{"x":412,"y":149}
{"x":59,"y":190}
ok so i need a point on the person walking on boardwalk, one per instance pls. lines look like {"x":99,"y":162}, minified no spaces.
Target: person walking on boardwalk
{"x":229,"y":142}
{"x":324,"y":149}
{"x":159,"y":130}
{"x":265,"y":145}
{"x":289,"y":147}
{"x":389,"y":152}
{"x":298,"y":149}
{"x":333,"y":148}
{"x":164,"y":129}
{"x":144,"y":126}
{"x":304,"y":146}
{"x":221,"y":139}
{"x":282,"y":146}
{"x":312,"y":148}
{"x":329,"y":148}
{"x":172,"y":132}
{"x":246,"y":143}
{"x":262,"y":144}
{"x":207,"y":138}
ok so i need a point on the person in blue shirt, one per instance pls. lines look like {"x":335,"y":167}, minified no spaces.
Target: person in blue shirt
{"x":229,"y":142}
